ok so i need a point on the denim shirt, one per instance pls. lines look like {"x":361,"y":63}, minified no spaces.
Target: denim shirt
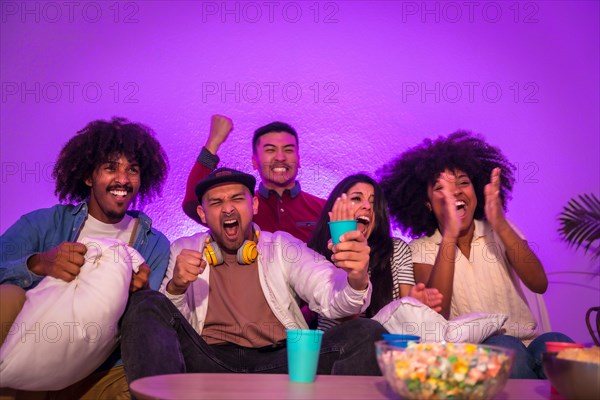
{"x":44,"y":229}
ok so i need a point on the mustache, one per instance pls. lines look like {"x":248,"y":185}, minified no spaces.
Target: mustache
{"x":231,"y":215}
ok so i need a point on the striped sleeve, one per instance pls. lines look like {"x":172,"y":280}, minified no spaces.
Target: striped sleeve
{"x":402,"y":266}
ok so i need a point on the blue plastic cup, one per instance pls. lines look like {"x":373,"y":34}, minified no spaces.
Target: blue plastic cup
{"x":303,"y":346}
{"x":338,"y":228}
{"x":399,"y":340}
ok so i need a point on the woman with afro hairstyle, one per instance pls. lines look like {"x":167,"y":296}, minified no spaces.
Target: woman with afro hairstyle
{"x":100,"y":173}
{"x":451,"y":193}
{"x":390,"y":264}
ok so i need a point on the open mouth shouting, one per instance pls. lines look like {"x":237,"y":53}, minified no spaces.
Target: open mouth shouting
{"x":363,"y":222}
{"x":231,"y":227}
{"x":461,"y":208}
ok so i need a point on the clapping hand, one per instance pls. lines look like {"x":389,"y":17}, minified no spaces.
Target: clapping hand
{"x":494,"y":212}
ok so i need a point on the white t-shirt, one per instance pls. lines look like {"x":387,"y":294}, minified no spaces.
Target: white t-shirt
{"x":484,"y":282}
{"x":93,"y":228}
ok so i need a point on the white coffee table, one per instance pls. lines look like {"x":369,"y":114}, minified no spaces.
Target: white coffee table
{"x":266,"y":386}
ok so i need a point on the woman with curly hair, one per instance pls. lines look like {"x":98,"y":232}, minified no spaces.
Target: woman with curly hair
{"x":451,"y":193}
{"x":100,"y":173}
{"x":390,"y":264}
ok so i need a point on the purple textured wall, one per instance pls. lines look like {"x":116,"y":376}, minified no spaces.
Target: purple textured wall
{"x":361,"y":82}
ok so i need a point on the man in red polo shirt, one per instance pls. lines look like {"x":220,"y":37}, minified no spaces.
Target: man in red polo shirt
{"x":283,"y":206}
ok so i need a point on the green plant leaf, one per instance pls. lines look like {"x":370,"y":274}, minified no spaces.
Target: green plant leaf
{"x":580,"y":223}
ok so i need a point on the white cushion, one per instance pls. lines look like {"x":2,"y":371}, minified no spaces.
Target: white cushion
{"x":411,"y":317}
{"x":68,"y":329}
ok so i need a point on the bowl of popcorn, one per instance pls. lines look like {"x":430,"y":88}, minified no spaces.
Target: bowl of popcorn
{"x":575,"y":373}
{"x":444,"y":370}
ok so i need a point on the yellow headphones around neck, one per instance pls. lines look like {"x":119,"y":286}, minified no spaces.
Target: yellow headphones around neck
{"x":246,"y":254}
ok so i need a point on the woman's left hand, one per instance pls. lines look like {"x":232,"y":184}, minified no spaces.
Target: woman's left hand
{"x":343,"y":209}
{"x":494,"y":212}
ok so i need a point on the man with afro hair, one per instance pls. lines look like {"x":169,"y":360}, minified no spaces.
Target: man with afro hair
{"x":103,"y":170}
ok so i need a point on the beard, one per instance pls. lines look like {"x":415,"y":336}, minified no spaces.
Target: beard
{"x":116,"y":214}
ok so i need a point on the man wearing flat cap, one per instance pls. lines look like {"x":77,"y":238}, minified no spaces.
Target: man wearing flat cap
{"x":231,"y":293}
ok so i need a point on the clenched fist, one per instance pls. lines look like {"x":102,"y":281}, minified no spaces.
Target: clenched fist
{"x":220,"y":127}
{"x":188,"y":265}
{"x":62,"y":262}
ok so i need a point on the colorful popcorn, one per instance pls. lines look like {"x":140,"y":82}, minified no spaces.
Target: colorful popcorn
{"x":445,"y":370}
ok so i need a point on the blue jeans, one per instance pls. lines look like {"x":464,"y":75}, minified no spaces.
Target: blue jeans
{"x":528,"y":360}
{"x":156,"y":339}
